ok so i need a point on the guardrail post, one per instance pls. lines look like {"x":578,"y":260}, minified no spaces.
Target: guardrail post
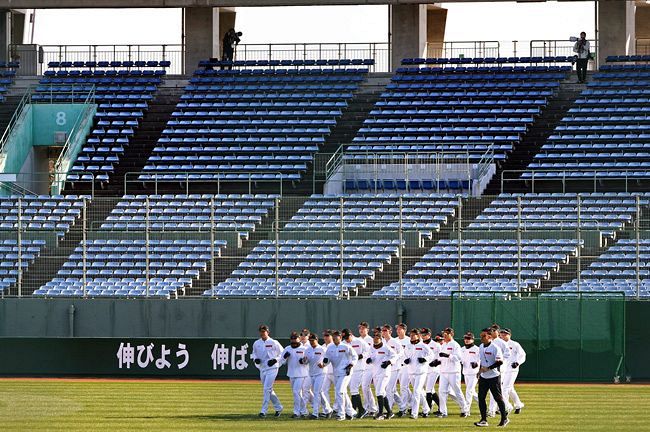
{"x":460,"y":240}
{"x":579,"y":239}
{"x":341,"y":247}
{"x":277,"y":247}
{"x":212,"y":254}
{"x":400,"y":248}
{"x":19,"y":276}
{"x":146,"y":246}
{"x":519,"y":245}
{"x":637,"y":227}
{"x":84,"y":245}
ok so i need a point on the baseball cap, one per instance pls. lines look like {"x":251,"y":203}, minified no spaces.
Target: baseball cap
{"x":263,"y":328}
{"x":505,"y":330}
{"x":313,"y":336}
{"x":425,"y":331}
{"x":468,"y":335}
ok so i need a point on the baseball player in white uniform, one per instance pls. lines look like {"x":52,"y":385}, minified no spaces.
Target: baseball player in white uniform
{"x":450,"y":374}
{"x":510,"y":370}
{"x":417,"y":357}
{"x":470,"y":361}
{"x":404,"y":375}
{"x":328,"y":380}
{"x":266,"y":356}
{"x":343,"y":358}
{"x":362,"y":349}
{"x":434,"y":367}
{"x":315,"y":355}
{"x":505,"y":352}
{"x":392,"y":394}
{"x":369,"y":402}
{"x":491,"y":359}
{"x":379,"y":362}
{"x":304,"y":341}
{"x":297,"y":371}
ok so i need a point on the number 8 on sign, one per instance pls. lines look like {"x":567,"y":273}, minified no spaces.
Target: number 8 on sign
{"x":60,"y":118}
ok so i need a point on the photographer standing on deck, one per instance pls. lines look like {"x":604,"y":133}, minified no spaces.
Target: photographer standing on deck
{"x":230,"y":40}
{"x":583,"y":55}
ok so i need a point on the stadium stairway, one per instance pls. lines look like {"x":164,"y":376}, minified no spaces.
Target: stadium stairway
{"x":141,"y":145}
{"x":50,"y":261}
{"x":232,"y":256}
{"x":531,"y":143}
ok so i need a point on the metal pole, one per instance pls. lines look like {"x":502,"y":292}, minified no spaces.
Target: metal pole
{"x":638,"y":246}
{"x":578,"y":237}
{"x":84,"y":239}
{"x":341,"y":247}
{"x":277,"y":247}
{"x":212,"y":245}
{"x":460,"y":240}
{"x":20,"y":252}
{"x":146,"y":247}
{"x":401,"y":242}
{"x":519,"y":245}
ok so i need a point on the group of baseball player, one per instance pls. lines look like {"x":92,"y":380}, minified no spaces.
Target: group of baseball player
{"x":403,"y":371}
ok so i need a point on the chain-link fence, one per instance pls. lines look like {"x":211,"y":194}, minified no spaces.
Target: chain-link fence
{"x":385,"y":245}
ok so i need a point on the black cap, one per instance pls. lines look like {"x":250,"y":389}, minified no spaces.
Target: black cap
{"x":415,"y":331}
{"x":327,"y":332}
{"x":448,"y":330}
{"x":293,"y":335}
{"x":468,"y":335}
{"x":402,"y":325}
{"x":425,"y":331}
{"x":364,"y":324}
{"x":495,"y":327}
{"x":387,"y":327}
{"x":505,"y":330}
{"x":313,"y":336}
{"x":336,"y":333}
{"x":345,"y":333}
{"x":438,"y":337}
{"x":305,"y":332}
{"x":263,"y":328}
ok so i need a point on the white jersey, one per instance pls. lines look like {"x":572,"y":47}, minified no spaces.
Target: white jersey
{"x":265,"y":350}
{"x":469,"y":356}
{"x":435,"y":350}
{"x":405,"y":343}
{"x":315,"y":356}
{"x":516,"y":353}
{"x":297,"y":366}
{"x":399,"y":352}
{"x":362,"y":350}
{"x":341,"y":356}
{"x":450,"y":364}
{"x":382,"y":354}
{"x":415,"y":352}
{"x":505,"y":351}
{"x":489,"y":355}
{"x":327,"y":370}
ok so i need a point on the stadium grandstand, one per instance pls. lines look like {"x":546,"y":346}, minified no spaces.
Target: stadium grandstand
{"x":168,"y":192}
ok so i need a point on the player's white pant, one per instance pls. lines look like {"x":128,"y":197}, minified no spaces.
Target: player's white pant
{"x":307,"y":394}
{"x":380,"y":379}
{"x":432,"y":378}
{"x":391,"y":389}
{"x":320,"y":400}
{"x":268,"y":395}
{"x":418,"y":395}
{"x":470,"y":390}
{"x":298,"y":388}
{"x":369,"y":401}
{"x":328,"y":382}
{"x":404,"y":392}
{"x":493,"y":404}
{"x":342,"y":404}
{"x":508,"y":379}
{"x":355,"y":381}
{"x":450,"y":383}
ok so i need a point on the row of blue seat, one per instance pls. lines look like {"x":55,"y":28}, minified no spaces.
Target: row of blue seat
{"x":486,"y":60}
{"x":285,"y":63}
{"x":113,"y":64}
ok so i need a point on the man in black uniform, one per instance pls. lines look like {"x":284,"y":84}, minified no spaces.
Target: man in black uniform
{"x":230,"y":40}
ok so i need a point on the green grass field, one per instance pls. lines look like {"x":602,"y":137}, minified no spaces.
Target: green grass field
{"x":75,"y":405}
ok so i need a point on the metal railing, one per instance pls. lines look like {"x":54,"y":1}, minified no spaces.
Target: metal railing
{"x":13,"y":122}
{"x":130,"y":52}
{"x":73,"y":142}
{"x":642,"y":46}
{"x":585,"y":236}
{"x":567,"y":179}
{"x":451,"y":49}
{"x":378,"y":51}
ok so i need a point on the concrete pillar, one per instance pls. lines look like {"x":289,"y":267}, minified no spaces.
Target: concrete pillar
{"x":616,"y":28}
{"x":642,"y":28}
{"x":436,"y":23}
{"x":408,"y":32}
{"x":5,"y":34}
{"x":202,"y":37}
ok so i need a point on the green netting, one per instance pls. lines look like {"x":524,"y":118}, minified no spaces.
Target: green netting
{"x":567,"y":337}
